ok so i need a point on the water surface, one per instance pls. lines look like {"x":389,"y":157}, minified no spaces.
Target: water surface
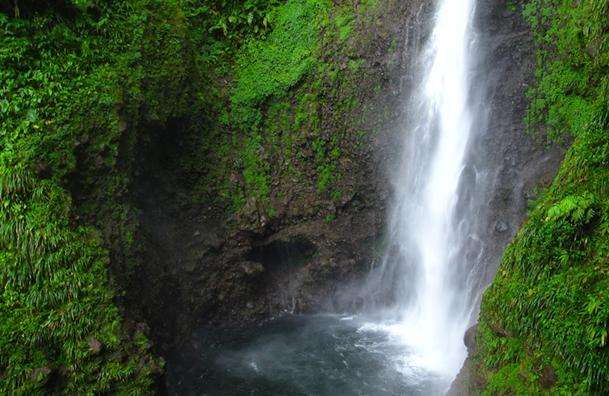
{"x":300,"y":355}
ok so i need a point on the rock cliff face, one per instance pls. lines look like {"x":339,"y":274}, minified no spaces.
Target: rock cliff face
{"x":205,"y":264}
{"x":518,"y":164}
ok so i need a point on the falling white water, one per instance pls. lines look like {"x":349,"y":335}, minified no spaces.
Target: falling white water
{"x":425,"y":263}
{"x":435,"y":316}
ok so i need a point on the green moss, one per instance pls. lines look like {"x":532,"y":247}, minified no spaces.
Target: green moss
{"x":268,"y":68}
{"x":330,"y":218}
{"x":549,"y":300}
{"x":266,"y":93}
{"x":273,"y":65}
{"x":355,"y":64}
{"x":344,"y":24}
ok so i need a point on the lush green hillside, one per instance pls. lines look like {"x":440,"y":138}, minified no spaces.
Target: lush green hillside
{"x":77,"y":78}
{"x":83,"y":85}
{"x":545,"y":319}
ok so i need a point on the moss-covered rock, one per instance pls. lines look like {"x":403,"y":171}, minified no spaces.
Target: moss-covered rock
{"x":544,"y":320}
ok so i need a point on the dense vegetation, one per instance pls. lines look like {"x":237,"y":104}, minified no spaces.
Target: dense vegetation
{"x":83,"y":85}
{"x":75,"y":77}
{"x":545,"y":319}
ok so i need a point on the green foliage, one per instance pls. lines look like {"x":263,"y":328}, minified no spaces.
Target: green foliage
{"x":572,"y":65}
{"x":232,"y":19}
{"x":70,"y":77}
{"x":549,"y":306}
{"x":273,"y":65}
{"x":56,"y":299}
{"x":268,"y":68}
{"x":574,"y":209}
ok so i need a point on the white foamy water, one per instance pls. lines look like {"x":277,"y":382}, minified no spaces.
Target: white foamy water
{"x":425,"y":262}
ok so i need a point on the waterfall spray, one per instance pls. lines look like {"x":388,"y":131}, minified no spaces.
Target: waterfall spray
{"x":425,"y":262}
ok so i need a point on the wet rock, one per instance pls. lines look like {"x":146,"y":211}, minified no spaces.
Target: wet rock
{"x":190,"y":266}
{"x":122,"y":125}
{"x":501,"y":226}
{"x":469,"y":339}
{"x":467,"y":383}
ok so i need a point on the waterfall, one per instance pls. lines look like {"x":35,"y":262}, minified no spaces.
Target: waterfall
{"x":427,"y":268}
{"x":420,"y":298}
